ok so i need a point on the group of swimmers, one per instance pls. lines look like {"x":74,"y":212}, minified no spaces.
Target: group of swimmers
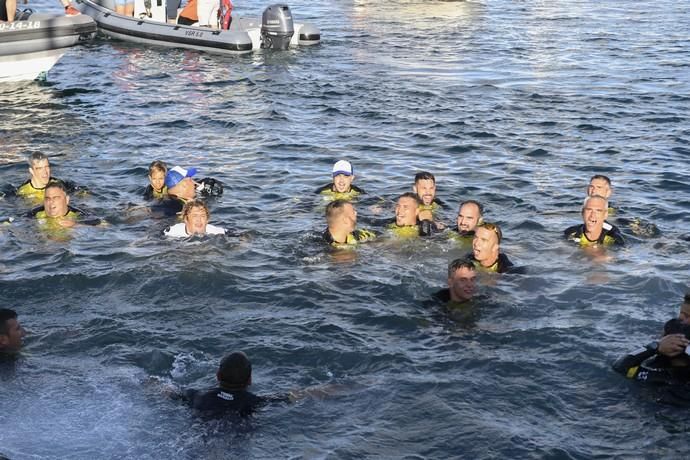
{"x":174,"y":192}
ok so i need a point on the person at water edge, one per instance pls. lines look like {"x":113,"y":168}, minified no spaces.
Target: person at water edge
{"x":57,"y":211}
{"x":11,"y":332}
{"x":156,"y":188}
{"x":39,"y":177}
{"x":425,"y":188}
{"x":462,"y":285}
{"x":665,"y":360}
{"x":341,"y":218}
{"x":594,"y":230}
{"x":195,"y":216}
{"x":470,"y":215}
{"x":486,"y":249}
{"x":407,"y":223}
{"x":234,"y":377}
{"x":341,"y":188}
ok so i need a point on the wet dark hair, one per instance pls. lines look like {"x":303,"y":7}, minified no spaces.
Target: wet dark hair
{"x":686,"y":299}
{"x":424,"y":175}
{"x":676,"y":326}
{"x":5,"y":315}
{"x":57,"y":184}
{"x":457,"y":264}
{"x":235,"y":370}
{"x":474,"y":202}
{"x":602,"y":177}
{"x":412,"y":195}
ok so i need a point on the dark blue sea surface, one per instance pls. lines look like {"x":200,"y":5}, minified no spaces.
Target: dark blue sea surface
{"x":514,"y":104}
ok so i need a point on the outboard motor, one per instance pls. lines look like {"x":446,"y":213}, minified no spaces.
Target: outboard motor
{"x":277,"y":27}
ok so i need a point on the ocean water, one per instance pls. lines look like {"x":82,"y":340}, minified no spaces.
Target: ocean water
{"x":515,"y":104}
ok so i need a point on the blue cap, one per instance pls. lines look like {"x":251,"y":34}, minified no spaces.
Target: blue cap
{"x":176,"y":174}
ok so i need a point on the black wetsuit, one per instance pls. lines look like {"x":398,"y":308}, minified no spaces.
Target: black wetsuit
{"x":221,"y":401}
{"x":646,"y":365}
{"x":168,"y":207}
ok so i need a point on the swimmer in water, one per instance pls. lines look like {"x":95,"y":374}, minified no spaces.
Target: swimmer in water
{"x":407,"y":223}
{"x":39,"y":177}
{"x":56,"y":211}
{"x":156,"y":189}
{"x":462,"y":284}
{"x":341,"y":188}
{"x":470,"y":215}
{"x":666,"y":360}
{"x":595,"y":230}
{"x":600,"y":185}
{"x":341,"y":218}
{"x":232,"y":395}
{"x":11,"y":332}
{"x":486,"y":247}
{"x":182,"y":188}
{"x":425,"y":188}
{"x":234,"y":377}
{"x":195,"y":216}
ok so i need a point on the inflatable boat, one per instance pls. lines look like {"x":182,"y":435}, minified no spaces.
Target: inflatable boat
{"x":31,"y":46}
{"x":151,"y":25}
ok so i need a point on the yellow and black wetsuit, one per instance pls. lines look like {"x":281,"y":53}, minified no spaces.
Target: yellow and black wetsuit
{"x":502,"y":264}
{"x":358,"y":236}
{"x":464,"y":238}
{"x":73,"y":213}
{"x":434,"y":207}
{"x":35,"y":194}
{"x":151,"y":194}
{"x":328,"y":191}
{"x":609,"y":235}
{"x":421,"y":228}
{"x":404,"y":231}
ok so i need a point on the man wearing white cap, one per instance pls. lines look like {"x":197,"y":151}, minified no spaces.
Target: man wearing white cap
{"x":341,"y":188}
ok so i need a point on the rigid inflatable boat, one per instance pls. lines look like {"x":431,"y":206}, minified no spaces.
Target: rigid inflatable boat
{"x":150,"y":25}
{"x":31,"y":46}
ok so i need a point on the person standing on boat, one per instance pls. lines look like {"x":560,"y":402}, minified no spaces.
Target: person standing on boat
{"x":203,"y":12}
{"x":8,"y":9}
{"x":124,"y":7}
{"x":71,"y":10}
